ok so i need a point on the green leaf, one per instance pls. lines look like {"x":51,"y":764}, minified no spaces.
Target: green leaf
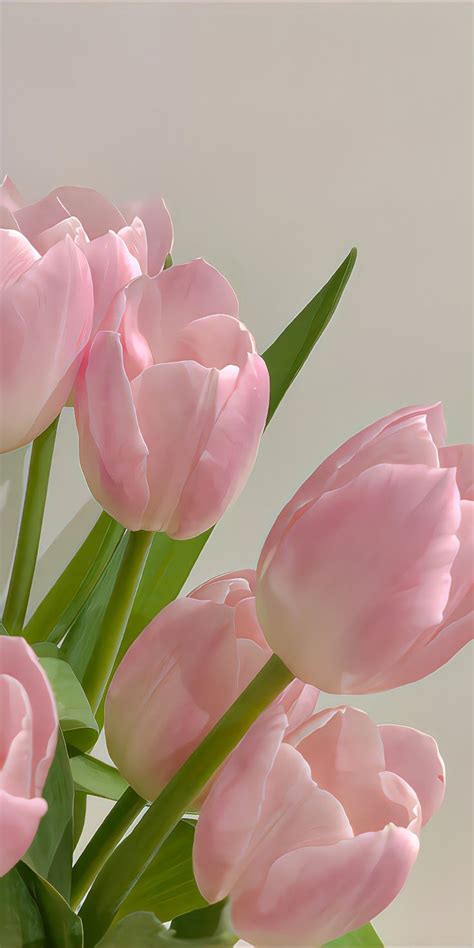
{"x":76,"y":582}
{"x":365,"y":937}
{"x":3,"y":630}
{"x":21,"y":925}
{"x":78,"y":645}
{"x":74,"y":710}
{"x":167,"y":887}
{"x":63,"y":928}
{"x":94,"y":777}
{"x":79,"y":815}
{"x":211,"y":920}
{"x":287,"y":355}
{"x":50,"y":853}
{"x":143,"y":930}
{"x":170,"y":562}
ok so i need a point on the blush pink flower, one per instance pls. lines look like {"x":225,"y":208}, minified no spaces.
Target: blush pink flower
{"x":312,"y":835}
{"x":365,"y":581}
{"x":28,"y":737}
{"x":181,"y":675}
{"x":170,"y":411}
{"x":46,"y":309}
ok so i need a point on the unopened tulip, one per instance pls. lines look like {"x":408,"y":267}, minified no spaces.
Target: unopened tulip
{"x":180,"y":676}
{"x":46,"y":307}
{"x":365,"y":581}
{"x":28,"y":734}
{"x":119,"y":246}
{"x":312,"y":841}
{"x":170,"y":410}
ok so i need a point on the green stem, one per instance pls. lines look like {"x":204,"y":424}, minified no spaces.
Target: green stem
{"x":27,"y":545}
{"x":130,"y":859}
{"x":116,"y":616}
{"x":110,"y":832}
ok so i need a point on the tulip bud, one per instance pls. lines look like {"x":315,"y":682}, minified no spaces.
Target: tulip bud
{"x":365,"y":580}
{"x":181,"y":675}
{"x":170,"y":410}
{"x":312,"y":835}
{"x":29,"y":726}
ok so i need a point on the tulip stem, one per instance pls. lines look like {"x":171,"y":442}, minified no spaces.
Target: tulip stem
{"x":132,"y":857}
{"x":29,"y":534}
{"x":110,"y":832}
{"x":116,"y":616}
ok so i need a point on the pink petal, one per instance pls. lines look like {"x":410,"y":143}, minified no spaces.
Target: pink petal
{"x":112,"y":267}
{"x":407,"y":436}
{"x":16,"y":738}
{"x":113,"y":451}
{"x":299,"y":702}
{"x":343,"y":636}
{"x":228,"y":456}
{"x":19,"y":821}
{"x":159,"y":231}
{"x":231,"y":812}
{"x":229,"y":587}
{"x":96,"y":214}
{"x":16,"y":256}
{"x":10,"y":198}
{"x":316,"y":893}
{"x":215,"y":341}
{"x":70,"y":226}
{"x":19,"y":661}
{"x":188,"y":397}
{"x":174,"y":683}
{"x":460,"y":456}
{"x":415,"y":756}
{"x":46,"y":321}
{"x":134,"y":236}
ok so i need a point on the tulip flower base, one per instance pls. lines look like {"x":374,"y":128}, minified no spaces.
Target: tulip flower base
{"x":242,"y":812}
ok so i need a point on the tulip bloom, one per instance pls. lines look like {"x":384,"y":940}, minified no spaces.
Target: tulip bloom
{"x":46,"y":307}
{"x":181,"y":675}
{"x":118,"y":245}
{"x":313,"y":837}
{"x":27,"y":744}
{"x":170,"y":410}
{"x":365,"y":580}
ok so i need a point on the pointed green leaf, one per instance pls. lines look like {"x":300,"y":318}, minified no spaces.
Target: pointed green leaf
{"x":67,"y":595}
{"x":75,"y":714}
{"x":365,"y":937}
{"x":143,"y":930}
{"x":93,"y":776}
{"x":50,"y":853}
{"x":167,"y":887}
{"x":63,"y":928}
{"x":79,"y":815}
{"x":21,"y":925}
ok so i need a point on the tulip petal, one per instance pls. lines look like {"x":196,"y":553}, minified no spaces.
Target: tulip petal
{"x":16,"y":738}
{"x":171,"y":658}
{"x":70,"y":226}
{"x":134,"y":237}
{"x":96,"y":214}
{"x":19,"y":661}
{"x":159,"y":231}
{"x":460,"y":456}
{"x":229,"y":587}
{"x":46,"y":322}
{"x":176,"y":405}
{"x":10,"y":198}
{"x":228,"y":456}
{"x":19,"y":821}
{"x":16,"y":256}
{"x":215,"y":341}
{"x":113,"y":452}
{"x":415,"y":756}
{"x":314,"y":894}
{"x":407,"y":436}
{"x":391,"y":535}
{"x":112,"y":267}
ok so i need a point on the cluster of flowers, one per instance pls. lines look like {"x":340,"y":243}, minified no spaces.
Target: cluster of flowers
{"x":364,"y":583}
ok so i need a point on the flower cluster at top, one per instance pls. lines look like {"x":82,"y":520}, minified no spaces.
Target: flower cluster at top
{"x":364,"y":583}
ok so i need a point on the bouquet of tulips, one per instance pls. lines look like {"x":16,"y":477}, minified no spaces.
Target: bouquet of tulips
{"x":243,"y":809}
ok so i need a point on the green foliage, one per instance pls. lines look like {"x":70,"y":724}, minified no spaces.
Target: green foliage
{"x":365,"y":937}
{"x":93,"y":776}
{"x":75,"y":714}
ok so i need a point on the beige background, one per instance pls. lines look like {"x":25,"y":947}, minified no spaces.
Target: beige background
{"x":280,"y":135}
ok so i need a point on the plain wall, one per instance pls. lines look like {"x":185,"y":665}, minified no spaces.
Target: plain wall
{"x":279,"y":136}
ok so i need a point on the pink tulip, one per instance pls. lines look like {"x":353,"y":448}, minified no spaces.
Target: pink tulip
{"x":170,"y":410}
{"x":365,"y":580}
{"x":46,"y":307}
{"x":180,"y":676}
{"x":311,"y":843}
{"x":118,"y":246}
{"x":28,"y":737}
